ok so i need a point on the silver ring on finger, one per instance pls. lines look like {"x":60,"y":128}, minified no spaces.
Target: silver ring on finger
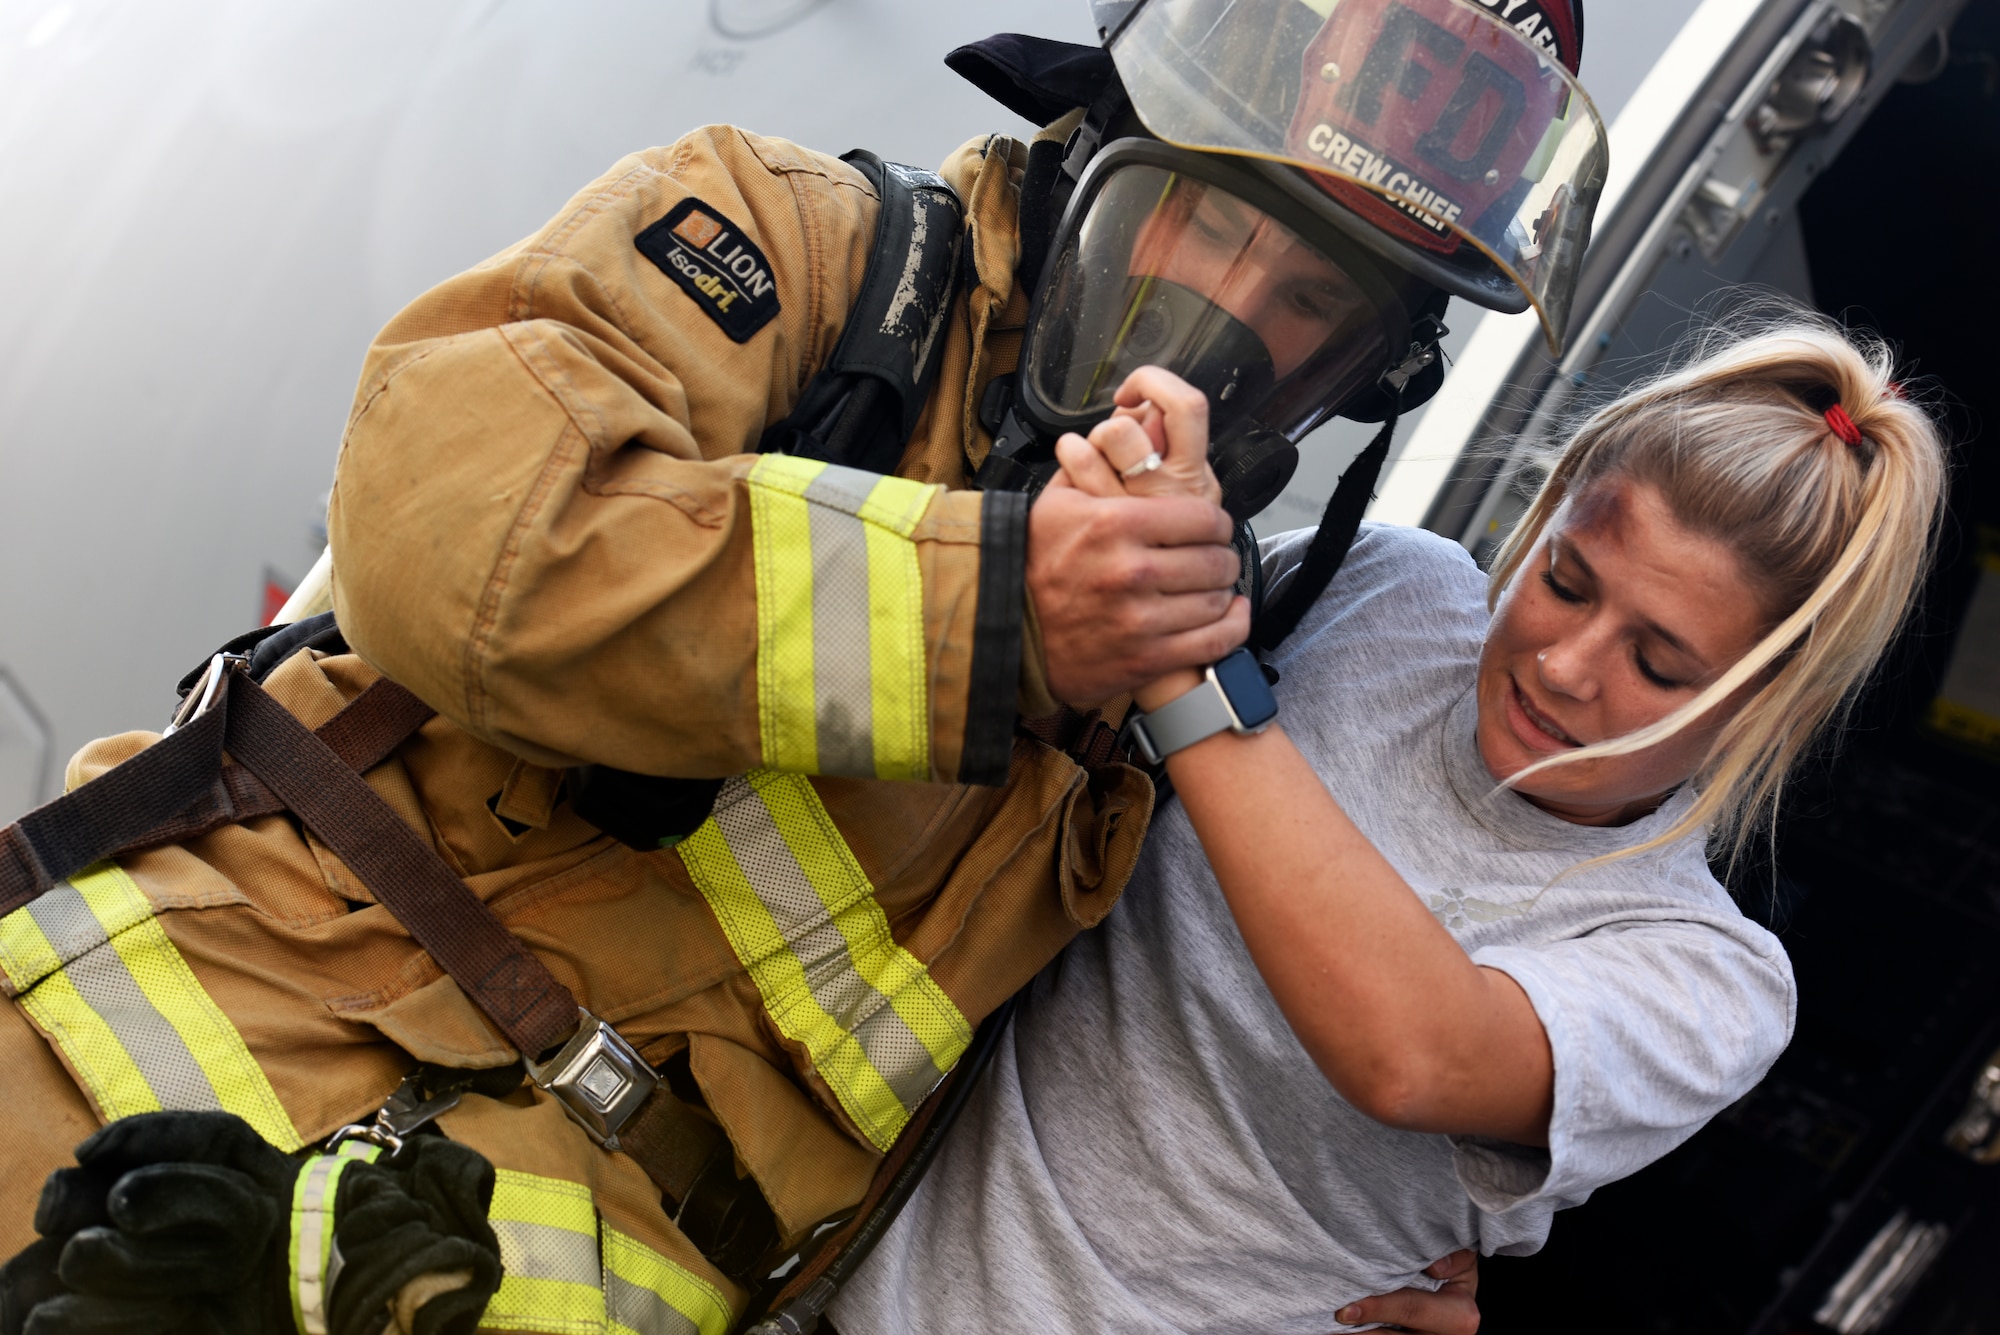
{"x":1144,"y":466}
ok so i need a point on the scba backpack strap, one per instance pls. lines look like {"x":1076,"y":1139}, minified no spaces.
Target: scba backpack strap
{"x":862,"y":405}
{"x":235,"y":753}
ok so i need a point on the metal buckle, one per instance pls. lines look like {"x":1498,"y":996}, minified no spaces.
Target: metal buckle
{"x":598,"y":1077}
{"x":1976,"y":1133}
{"x":1133,"y":737}
{"x":374,"y":1133}
{"x":203,"y":694}
{"x":1424,"y":338}
{"x":413,"y":1105}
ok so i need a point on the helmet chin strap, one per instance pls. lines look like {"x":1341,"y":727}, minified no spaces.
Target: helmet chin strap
{"x":1341,"y":520}
{"x":1279,"y":616}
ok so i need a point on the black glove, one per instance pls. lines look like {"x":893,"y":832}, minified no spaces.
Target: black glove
{"x":163,"y":1226}
{"x":407,"y":1232}
{"x":179,"y":1224}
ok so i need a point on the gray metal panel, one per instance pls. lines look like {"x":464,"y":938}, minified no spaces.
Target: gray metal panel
{"x":1651,"y":278}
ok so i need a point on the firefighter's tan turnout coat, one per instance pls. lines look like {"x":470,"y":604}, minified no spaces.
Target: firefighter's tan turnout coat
{"x":550,"y":523}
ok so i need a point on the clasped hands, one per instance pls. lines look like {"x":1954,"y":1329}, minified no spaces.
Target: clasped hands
{"x":1134,"y":577}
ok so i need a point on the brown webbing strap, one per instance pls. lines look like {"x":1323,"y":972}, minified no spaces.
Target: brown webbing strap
{"x":363,"y":734}
{"x":1089,"y":739}
{"x":669,"y":1133}
{"x":689,"y":1159}
{"x":181,"y":788}
{"x":500,"y":975}
{"x":373,"y":724}
{"x":88,"y":825}
{"x":178,"y":789}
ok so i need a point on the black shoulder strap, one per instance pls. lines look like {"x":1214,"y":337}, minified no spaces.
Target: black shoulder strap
{"x":1328,"y":549}
{"x":1410,"y":382}
{"x":864,"y":402}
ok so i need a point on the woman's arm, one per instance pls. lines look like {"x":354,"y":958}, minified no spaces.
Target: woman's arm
{"x":1394,"y":1013}
{"x":1390,"y":1007}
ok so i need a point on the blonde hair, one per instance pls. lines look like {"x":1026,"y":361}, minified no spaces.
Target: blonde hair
{"x":1741,"y":443}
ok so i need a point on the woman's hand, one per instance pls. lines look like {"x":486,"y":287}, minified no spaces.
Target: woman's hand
{"x":1159,"y":416}
{"x":1155,"y":443}
{"x":1449,"y":1311}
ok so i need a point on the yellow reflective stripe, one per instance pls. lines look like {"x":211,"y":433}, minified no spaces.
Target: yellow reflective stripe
{"x":314,"y":1192}
{"x":93,"y":967}
{"x":900,"y":686}
{"x":171,"y":986}
{"x":647,"y":1294}
{"x":781,"y":981}
{"x":549,"y":1201}
{"x":26,"y":955}
{"x":801,"y":916}
{"x":843,"y":889}
{"x":897,"y":503}
{"x":781,"y":532}
{"x":842,"y":684}
{"x":553,"y":1305}
{"x":551,"y":1276}
{"x":556,"y":1279}
{"x":109,"y":1075}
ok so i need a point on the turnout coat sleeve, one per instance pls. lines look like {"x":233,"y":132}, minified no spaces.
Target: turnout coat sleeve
{"x":549,"y":521}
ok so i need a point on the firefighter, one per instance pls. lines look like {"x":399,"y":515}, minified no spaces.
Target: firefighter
{"x":663,"y":522}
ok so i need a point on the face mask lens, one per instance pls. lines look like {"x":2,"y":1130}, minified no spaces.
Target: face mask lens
{"x":1168,"y":270}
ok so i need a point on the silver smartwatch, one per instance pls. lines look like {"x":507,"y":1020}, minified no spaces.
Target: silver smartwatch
{"x":1233,"y":697}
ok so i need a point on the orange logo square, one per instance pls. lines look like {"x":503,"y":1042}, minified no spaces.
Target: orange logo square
{"x":698,"y":229}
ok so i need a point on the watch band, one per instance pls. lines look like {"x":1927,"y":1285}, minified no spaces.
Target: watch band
{"x":1183,"y":721}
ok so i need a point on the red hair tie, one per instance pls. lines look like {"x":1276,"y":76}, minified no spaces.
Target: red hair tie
{"x":1842,"y":425}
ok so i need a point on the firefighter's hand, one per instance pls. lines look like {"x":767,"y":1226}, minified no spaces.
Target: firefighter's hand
{"x":1127,"y":590}
{"x":1449,"y":1311}
{"x":179,"y":1223}
{"x":1154,"y":444}
{"x":414,"y":1242}
{"x":169,"y":1224}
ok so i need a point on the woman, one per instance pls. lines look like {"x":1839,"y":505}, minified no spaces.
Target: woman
{"x":1441,"y":953}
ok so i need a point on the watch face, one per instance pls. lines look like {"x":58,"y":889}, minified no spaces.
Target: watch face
{"x":1242,"y":680}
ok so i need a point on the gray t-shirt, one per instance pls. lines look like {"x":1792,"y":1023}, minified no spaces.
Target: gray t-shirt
{"x":1152,"y":1150}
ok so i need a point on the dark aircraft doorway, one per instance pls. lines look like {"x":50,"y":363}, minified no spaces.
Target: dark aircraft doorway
{"x":1886,"y":888}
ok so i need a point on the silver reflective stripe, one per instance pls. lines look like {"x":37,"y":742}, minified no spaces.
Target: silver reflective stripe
{"x":802,"y":918}
{"x":843,"y":673}
{"x":843,"y":680}
{"x":107,"y":986}
{"x":313,"y":1221}
{"x":643,"y":1310}
{"x":542,"y":1251}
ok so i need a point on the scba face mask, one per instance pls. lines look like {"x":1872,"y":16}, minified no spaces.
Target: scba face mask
{"x":1204,"y":267}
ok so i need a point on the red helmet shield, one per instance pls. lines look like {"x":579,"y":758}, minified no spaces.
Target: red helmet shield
{"x":1436,"y":117}
{"x":1455,"y":127}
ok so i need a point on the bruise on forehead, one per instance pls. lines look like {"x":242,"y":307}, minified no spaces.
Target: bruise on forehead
{"x":1600,"y":505}
{"x":1605,"y":507}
